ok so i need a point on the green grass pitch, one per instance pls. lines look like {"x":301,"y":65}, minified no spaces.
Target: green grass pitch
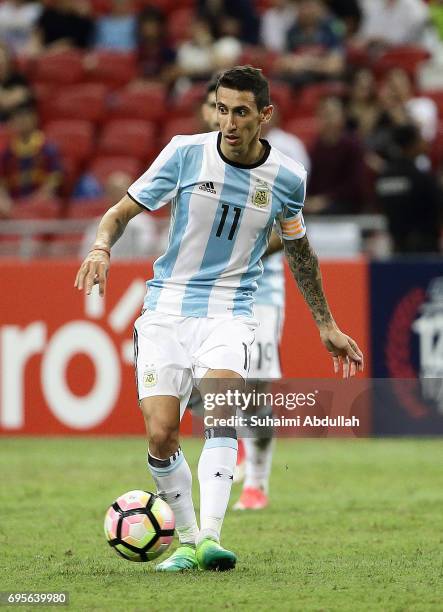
{"x":352,"y":525}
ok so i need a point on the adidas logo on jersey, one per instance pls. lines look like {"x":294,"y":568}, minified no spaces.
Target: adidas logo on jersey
{"x":208,"y":187}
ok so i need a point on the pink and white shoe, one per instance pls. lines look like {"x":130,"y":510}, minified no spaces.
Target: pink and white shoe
{"x":240,"y":468}
{"x":252,"y":499}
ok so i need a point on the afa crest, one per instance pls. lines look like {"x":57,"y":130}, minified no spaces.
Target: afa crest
{"x":149,"y":378}
{"x":262,"y":195}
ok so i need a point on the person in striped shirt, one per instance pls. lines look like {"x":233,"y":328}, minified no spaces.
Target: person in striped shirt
{"x":198,"y":325}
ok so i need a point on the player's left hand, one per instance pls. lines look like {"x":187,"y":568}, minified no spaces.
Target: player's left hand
{"x":344,"y":350}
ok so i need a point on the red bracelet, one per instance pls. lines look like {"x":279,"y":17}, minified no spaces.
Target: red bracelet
{"x":100,"y":249}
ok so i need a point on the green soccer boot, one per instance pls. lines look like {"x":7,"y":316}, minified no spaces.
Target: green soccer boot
{"x":211,"y":556}
{"x":183,"y":559}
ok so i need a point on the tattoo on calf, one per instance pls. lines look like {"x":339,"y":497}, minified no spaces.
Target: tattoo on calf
{"x":306,"y":270}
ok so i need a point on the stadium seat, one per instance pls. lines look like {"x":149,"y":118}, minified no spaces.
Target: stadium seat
{"x":282,"y":97}
{"x":112,"y":68}
{"x":189,"y":101}
{"x":36,"y":208}
{"x":101,"y":7}
{"x":148,"y":103}
{"x":312,"y":94}
{"x":86,"y":208}
{"x":83,"y":101}
{"x":129,"y":137}
{"x":185,"y":125}
{"x":74,"y":137}
{"x":437,"y":96}
{"x":103,"y":166}
{"x":179,"y":22}
{"x":61,"y":68}
{"x":305,"y":128}
{"x":407,"y":57}
{"x":4,"y":137}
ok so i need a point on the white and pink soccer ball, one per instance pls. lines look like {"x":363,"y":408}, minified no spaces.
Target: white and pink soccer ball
{"x":139,"y":526}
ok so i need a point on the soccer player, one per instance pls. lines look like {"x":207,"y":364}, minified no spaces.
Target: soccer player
{"x":269,"y":301}
{"x":227,"y":188}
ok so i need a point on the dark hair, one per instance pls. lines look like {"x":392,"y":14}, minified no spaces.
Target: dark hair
{"x":246,"y":78}
{"x":212,"y":85}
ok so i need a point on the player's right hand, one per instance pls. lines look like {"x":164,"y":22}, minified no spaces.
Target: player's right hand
{"x":93,"y":271}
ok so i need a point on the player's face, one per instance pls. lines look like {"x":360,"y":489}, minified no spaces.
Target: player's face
{"x":240,"y":120}
{"x":209,"y":112}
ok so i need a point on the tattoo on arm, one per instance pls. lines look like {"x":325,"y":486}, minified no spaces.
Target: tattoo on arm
{"x":306,"y":270}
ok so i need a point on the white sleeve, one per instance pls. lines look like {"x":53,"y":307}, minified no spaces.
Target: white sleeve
{"x":159,"y":184}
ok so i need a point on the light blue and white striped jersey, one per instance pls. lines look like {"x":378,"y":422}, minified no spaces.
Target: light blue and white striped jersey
{"x":271,"y":286}
{"x":222,"y":216}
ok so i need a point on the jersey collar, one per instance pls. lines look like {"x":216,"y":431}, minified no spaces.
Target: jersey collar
{"x":261,"y":161}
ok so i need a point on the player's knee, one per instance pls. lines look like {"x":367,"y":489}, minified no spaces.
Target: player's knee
{"x":163,"y":439}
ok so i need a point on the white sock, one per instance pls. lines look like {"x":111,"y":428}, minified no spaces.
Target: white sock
{"x":258,"y":461}
{"x":215,"y":474}
{"x":174,"y":484}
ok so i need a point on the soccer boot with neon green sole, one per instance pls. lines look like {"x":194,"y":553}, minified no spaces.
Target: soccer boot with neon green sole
{"x":211,"y":556}
{"x":183,"y":559}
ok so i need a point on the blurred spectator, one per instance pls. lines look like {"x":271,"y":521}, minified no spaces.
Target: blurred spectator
{"x":156,"y":58}
{"x":141,"y":237}
{"x":422,"y":110}
{"x":17,"y":21}
{"x":195,"y":56}
{"x":287,"y":143}
{"x":276,"y":23}
{"x":236,"y":18}
{"x":363,"y":108}
{"x":336,"y":181}
{"x":410,"y":198}
{"x":315,"y":45}
{"x":392,"y":22}
{"x":117,"y":30}
{"x":348,"y":12}
{"x":14,"y":88}
{"x":30,"y":165}
{"x":64,"y":24}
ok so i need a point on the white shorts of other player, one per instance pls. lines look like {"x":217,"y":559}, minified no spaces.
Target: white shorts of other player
{"x":265,"y":358}
{"x":173,"y":353}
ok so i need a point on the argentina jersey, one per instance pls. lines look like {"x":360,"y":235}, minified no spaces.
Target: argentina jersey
{"x":271,"y":286}
{"x":221,"y":219}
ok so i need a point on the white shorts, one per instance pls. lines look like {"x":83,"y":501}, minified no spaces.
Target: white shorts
{"x":265,"y":358}
{"x":172,"y":353}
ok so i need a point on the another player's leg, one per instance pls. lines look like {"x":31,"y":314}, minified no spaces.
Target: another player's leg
{"x":172,"y":476}
{"x":215,"y":474}
{"x":259,"y":447}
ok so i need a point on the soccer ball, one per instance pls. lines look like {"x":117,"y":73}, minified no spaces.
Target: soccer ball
{"x":139,"y":526}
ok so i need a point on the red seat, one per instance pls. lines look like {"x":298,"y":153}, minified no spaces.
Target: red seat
{"x":61,"y":68}
{"x":179,"y":24}
{"x":305,"y":128}
{"x":189,"y":101}
{"x":36,"y":208}
{"x":102,"y":167}
{"x":113,"y":68}
{"x":148,"y":103}
{"x":129,"y":137}
{"x":101,"y":7}
{"x":86,"y":208}
{"x":437,"y":96}
{"x":84,"y":101}
{"x":185,"y":125}
{"x":312,"y":94}
{"x":282,"y":97}
{"x":74,"y":137}
{"x":407,"y":57}
{"x":4,"y":137}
